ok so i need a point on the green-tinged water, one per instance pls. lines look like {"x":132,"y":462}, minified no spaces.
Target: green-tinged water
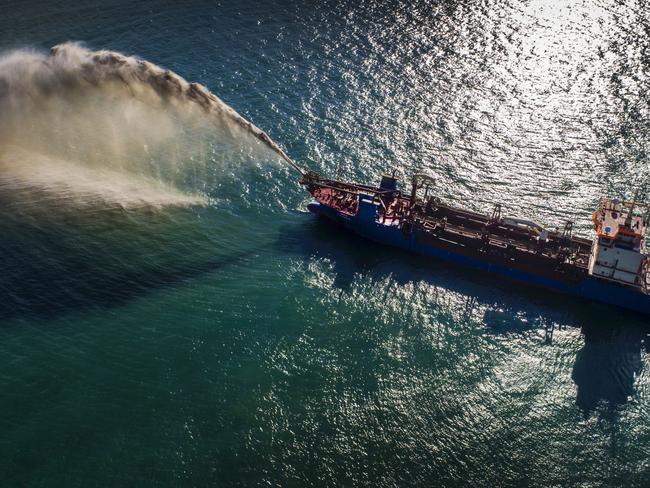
{"x":170,"y":314}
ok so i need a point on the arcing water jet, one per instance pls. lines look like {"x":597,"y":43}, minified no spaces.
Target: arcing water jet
{"x":108,"y":114}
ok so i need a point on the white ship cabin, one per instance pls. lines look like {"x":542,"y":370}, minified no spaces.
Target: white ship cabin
{"x":618,"y":252}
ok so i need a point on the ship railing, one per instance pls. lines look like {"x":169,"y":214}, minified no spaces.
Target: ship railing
{"x":608,"y":203}
{"x":613,"y":204}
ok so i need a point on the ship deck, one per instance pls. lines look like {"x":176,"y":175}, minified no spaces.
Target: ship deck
{"x":466,"y":225}
{"x":459,"y":227}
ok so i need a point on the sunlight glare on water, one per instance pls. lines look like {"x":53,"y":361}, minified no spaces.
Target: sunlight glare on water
{"x":207,"y":330}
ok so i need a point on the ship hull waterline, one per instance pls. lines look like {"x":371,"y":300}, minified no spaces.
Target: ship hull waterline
{"x":589,"y":288}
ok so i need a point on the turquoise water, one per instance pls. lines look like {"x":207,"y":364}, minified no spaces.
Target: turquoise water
{"x":243,"y":342}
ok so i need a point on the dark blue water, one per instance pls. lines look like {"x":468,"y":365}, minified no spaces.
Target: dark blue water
{"x":244,"y":343}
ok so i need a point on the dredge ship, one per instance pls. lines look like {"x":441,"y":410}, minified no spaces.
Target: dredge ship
{"x":612,"y":268}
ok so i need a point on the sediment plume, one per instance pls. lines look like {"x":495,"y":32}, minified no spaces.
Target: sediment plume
{"x":75,"y":114}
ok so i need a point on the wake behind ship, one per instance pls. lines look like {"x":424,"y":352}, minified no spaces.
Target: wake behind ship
{"x":612,"y":268}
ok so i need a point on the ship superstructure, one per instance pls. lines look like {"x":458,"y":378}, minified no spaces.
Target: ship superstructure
{"x":613,"y":268}
{"x":618,"y":252}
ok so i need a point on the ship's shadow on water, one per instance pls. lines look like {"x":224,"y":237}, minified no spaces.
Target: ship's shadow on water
{"x":605,"y":367}
{"x":101,"y":258}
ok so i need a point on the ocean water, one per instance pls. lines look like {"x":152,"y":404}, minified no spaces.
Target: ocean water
{"x":152,"y":340}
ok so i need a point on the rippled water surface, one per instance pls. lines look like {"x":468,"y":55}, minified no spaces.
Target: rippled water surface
{"x":241,"y":342}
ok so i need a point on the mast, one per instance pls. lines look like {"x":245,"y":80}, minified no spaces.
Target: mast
{"x":628,"y":220}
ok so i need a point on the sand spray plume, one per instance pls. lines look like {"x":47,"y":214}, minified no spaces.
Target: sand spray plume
{"x":170,"y":86}
{"x":64,"y":181}
{"x":115,"y":118}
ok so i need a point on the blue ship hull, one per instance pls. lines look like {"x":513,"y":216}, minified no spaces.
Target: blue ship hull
{"x":365,"y":225}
